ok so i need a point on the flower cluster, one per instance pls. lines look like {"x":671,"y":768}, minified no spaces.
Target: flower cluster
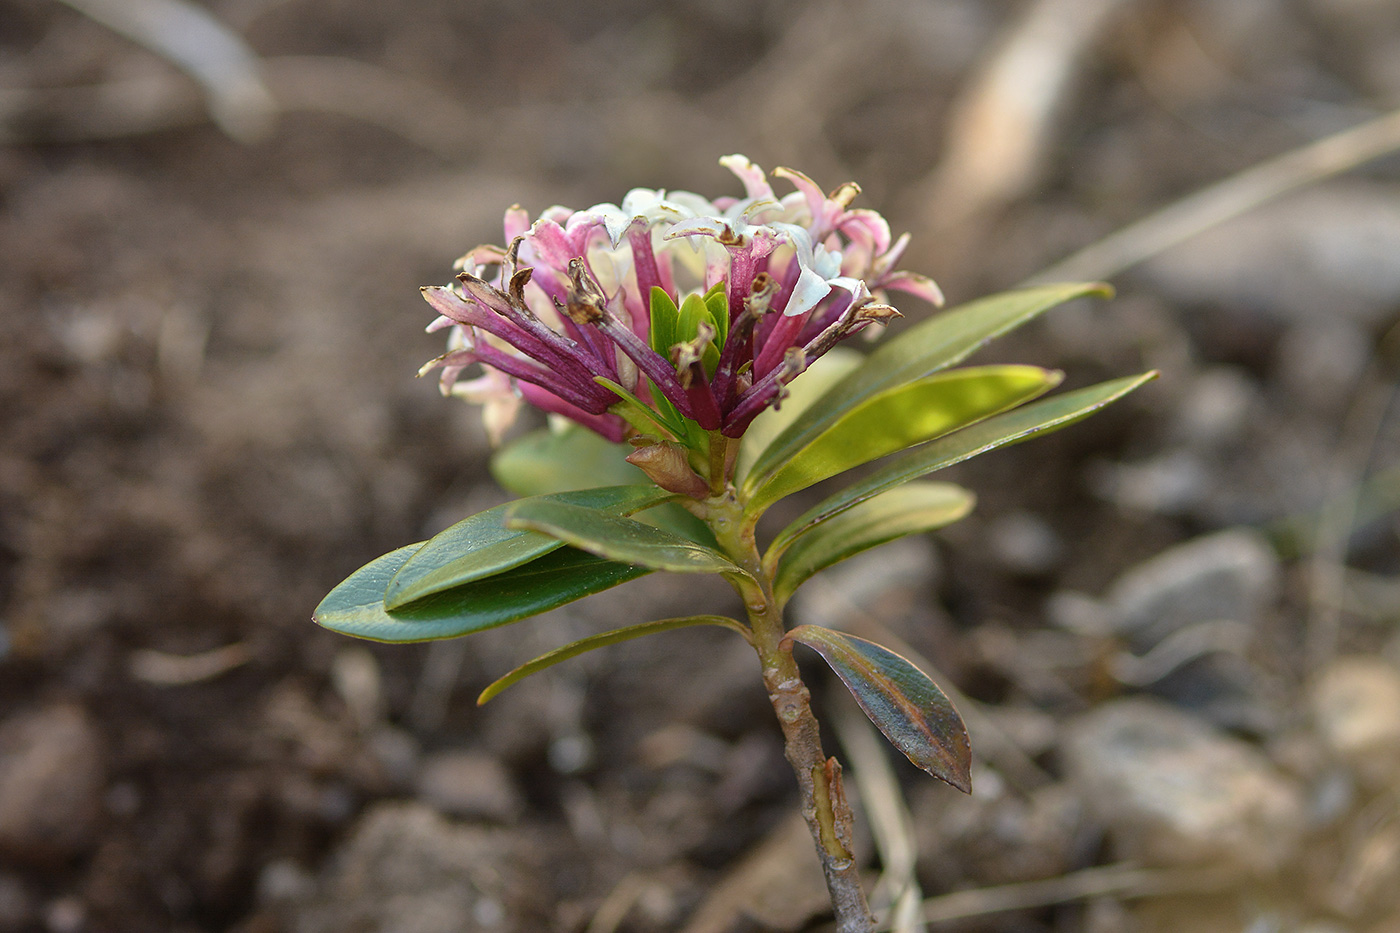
{"x":670,"y":316}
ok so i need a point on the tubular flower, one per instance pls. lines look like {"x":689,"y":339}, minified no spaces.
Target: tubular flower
{"x":668,"y":317}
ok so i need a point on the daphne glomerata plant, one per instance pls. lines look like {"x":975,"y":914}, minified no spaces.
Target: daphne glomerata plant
{"x":687,"y":350}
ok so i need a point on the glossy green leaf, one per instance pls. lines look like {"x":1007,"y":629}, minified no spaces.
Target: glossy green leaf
{"x":909,"y":509}
{"x":901,"y":417}
{"x":482,"y":545}
{"x":618,"y":539}
{"x":717,"y":300}
{"x":356,"y":606}
{"x":694,"y":312}
{"x":825,"y":372}
{"x":941,"y":341}
{"x":663,"y":321}
{"x":1011,"y":428}
{"x":900,"y":699}
{"x":574,"y":649}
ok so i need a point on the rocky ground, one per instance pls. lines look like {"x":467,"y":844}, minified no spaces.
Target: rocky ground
{"x":1172,"y":629}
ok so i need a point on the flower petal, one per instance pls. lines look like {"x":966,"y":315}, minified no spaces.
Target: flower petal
{"x":913,"y":283}
{"x":810,"y":289}
{"x":755,"y":182}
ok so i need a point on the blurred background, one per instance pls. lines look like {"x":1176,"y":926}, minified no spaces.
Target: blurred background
{"x":1172,"y":629}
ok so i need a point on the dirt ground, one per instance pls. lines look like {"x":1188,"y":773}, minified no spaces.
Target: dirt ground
{"x":1172,"y":628}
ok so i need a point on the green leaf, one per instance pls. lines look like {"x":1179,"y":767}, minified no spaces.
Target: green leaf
{"x":615,"y":538}
{"x":900,"y":699}
{"x":910,"y":509}
{"x":825,"y":372}
{"x":638,"y":414}
{"x":574,"y":649}
{"x":356,"y":606}
{"x":547,"y":460}
{"x":717,"y":301}
{"x":898,"y":418}
{"x":694,"y":312}
{"x":481,"y":546}
{"x":663,"y":321}
{"x":939,"y":342}
{"x":1011,"y":428}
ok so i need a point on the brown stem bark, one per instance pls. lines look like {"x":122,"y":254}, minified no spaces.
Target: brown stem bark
{"x":819,"y":782}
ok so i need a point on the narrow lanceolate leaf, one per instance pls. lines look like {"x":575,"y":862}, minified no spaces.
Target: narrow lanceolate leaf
{"x":640,"y":416}
{"x":900,"y":417}
{"x":482,"y":545}
{"x":1011,"y":428}
{"x":663,"y":321}
{"x":574,"y":649}
{"x":617,"y":539}
{"x":356,"y":606}
{"x":925,"y":348}
{"x":900,"y":699}
{"x":909,"y":509}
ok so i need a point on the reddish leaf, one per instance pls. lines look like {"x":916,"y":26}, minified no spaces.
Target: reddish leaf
{"x":900,"y":699}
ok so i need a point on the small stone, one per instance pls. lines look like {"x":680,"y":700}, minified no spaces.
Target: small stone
{"x":50,"y":784}
{"x":1320,"y":255}
{"x":17,"y":906}
{"x":283,"y":883}
{"x":406,"y":869}
{"x":1173,"y":791}
{"x":1215,"y":407}
{"x":1173,"y":483}
{"x":1320,"y":363}
{"x":469,"y":784}
{"x":355,"y":674}
{"x":65,"y":915}
{"x":397,"y":753}
{"x":1004,"y":838}
{"x":1024,"y":543}
{"x":1355,"y":704}
{"x":1232,"y":575}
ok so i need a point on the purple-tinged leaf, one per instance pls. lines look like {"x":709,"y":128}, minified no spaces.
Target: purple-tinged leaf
{"x":900,"y":699}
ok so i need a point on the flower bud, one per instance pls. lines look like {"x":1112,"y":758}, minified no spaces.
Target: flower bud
{"x":665,"y":464}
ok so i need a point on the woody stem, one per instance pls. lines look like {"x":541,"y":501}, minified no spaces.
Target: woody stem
{"x":824,"y":804}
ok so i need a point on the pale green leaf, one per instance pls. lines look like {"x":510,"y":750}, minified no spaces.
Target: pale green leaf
{"x":942,"y":341}
{"x":1026,"y":422}
{"x":900,"y":417}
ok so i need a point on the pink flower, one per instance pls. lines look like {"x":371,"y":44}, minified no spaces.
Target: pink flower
{"x":744,"y":293}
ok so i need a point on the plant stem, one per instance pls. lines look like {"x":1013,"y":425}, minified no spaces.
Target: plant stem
{"x":818,"y":777}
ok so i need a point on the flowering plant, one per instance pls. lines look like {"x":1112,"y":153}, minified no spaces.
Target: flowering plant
{"x":703,"y":335}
